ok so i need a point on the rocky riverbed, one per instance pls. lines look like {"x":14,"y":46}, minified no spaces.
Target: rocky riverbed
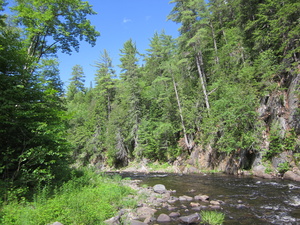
{"x":183,"y":209}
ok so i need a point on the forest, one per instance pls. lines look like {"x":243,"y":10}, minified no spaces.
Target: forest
{"x":228,"y":85}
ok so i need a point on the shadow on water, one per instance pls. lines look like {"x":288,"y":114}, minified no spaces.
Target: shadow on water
{"x":246,"y":200}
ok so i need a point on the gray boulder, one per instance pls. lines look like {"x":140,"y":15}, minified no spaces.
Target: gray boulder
{"x":159,"y":188}
{"x":163,"y":218}
{"x":174,"y":214}
{"x":136,"y":222}
{"x":194,"y":218}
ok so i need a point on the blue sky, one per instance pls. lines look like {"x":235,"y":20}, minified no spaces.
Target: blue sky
{"x":118,"y":21}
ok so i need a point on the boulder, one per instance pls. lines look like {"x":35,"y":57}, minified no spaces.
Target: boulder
{"x":259,"y":171}
{"x":194,"y":218}
{"x":203,"y":198}
{"x":163,"y":218}
{"x":136,"y":222}
{"x":159,"y":188}
{"x":174,"y":214}
{"x":214,"y":202}
{"x":290,"y":175}
{"x":197,"y":208}
{"x":112,"y":221}
{"x":145,"y":212}
{"x":185,"y":198}
{"x":149,"y":219}
{"x":215,"y":206}
{"x":195,"y":204}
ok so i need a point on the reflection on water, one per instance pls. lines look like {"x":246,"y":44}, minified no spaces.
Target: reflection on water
{"x":247,"y":200}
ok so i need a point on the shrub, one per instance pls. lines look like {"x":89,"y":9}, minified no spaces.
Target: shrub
{"x":212,"y":217}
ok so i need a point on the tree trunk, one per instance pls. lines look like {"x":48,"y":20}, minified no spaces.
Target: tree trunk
{"x":188,"y":143}
{"x":202,"y":78}
{"x":215,"y":42}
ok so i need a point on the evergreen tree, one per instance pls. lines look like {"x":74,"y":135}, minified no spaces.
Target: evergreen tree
{"x":126,"y":112}
{"x":77,"y":82}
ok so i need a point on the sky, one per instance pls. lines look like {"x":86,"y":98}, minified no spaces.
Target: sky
{"x":118,"y":21}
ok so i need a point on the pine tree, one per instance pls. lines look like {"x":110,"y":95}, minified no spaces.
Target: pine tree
{"x":76,"y":82}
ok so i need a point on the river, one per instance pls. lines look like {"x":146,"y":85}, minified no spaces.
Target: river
{"x":247,"y":200}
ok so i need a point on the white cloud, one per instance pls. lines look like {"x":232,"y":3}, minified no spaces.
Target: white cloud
{"x":126,"y":20}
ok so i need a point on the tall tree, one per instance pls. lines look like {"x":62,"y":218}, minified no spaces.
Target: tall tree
{"x":131,"y":76}
{"x":76,"y":82}
{"x":159,"y":126}
{"x":191,"y":15}
{"x":105,"y":85}
{"x":126,"y":111}
{"x":53,"y":25}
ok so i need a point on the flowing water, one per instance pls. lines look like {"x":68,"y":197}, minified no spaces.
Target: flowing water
{"x":246,"y":200}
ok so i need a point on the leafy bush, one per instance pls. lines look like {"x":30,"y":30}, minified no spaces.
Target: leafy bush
{"x":212,"y":217}
{"x":88,"y":199}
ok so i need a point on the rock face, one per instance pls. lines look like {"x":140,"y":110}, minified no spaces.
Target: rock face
{"x":194,"y":218}
{"x":159,"y":188}
{"x":278,"y":115}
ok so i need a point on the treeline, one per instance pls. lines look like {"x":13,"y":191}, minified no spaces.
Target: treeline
{"x":203,"y":88}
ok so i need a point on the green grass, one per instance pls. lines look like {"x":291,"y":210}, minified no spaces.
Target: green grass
{"x":212,"y":217}
{"x":88,"y":199}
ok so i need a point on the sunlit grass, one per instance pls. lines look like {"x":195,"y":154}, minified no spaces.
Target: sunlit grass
{"x":89,"y":199}
{"x":212,"y":217}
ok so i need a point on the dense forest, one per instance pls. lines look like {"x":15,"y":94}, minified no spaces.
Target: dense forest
{"x":228,"y":87}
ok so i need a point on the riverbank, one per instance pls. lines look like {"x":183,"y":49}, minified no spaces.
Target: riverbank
{"x":264,"y":170}
{"x":87,"y":198}
{"x":150,"y":200}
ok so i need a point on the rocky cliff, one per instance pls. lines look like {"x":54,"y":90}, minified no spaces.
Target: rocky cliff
{"x":278,"y":150}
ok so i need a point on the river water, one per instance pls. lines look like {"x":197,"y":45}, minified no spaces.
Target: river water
{"x":247,"y":200}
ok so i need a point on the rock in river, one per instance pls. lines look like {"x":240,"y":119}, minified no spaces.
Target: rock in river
{"x":163,"y":218}
{"x":203,"y":198}
{"x":159,"y":188}
{"x":136,"y":222}
{"x":194,"y":218}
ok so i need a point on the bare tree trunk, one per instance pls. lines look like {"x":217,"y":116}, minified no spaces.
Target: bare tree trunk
{"x":202,"y":78}
{"x":188,"y":143}
{"x":215,"y":42}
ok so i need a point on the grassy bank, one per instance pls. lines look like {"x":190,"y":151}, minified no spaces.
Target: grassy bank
{"x":87,"y":199}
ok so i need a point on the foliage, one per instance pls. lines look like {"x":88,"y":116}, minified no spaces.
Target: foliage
{"x":64,"y":21}
{"x":203,"y":88}
{"x":34,"y":149}
{"x":212,"y":217}
{"x":279,"y":144}
{"x":89,"y":198}
{"x":283,"y":167}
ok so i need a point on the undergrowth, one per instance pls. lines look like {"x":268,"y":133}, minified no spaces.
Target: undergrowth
{"x":212,"y":217}
{"x":88,"y":199}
